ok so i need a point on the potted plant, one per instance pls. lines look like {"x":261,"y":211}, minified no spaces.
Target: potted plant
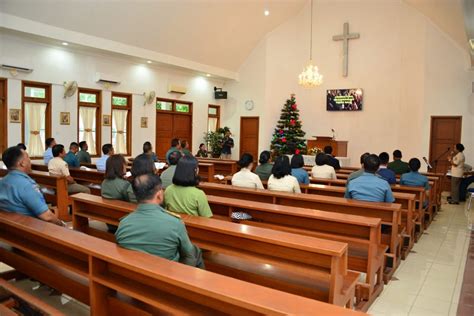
{"x":214,"y":141}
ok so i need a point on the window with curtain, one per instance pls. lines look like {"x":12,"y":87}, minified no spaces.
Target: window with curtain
{"x":89,"y":114}
{"x":213,"y":118}
{"x":36,"y":116}
{"x":121,"y":122}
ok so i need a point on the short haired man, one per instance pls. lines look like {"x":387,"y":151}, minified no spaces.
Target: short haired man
{"x":83,"y":156}
{"x":386,"y":174}
{"x":71,"y":158}
{"x":18,"y":192}
{"x":185,"y":148}
{"x":58,"y":167}
{"x":152,"y":229}
{"x":107,"y":151}
{"x":168,"y":174}
{"x":414,"y":178}
{"x":397,"y":165}
{"x":370,"y":187}
{"x":227,"y":145}
{"x":48,"y":154}
{"x":359,"y":172}
{"x":333,"y":161}
{"x":175,"y":146}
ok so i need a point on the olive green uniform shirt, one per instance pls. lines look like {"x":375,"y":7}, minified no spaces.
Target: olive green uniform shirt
{"x":264,"y":171}
{"x":118,"y":189}
{"x":167,"y":176}
{"x":152,"y":230}
{"x":188,"y":200}
{"x":355,"y":174}
{"x":399,"y":167}
{"x":83,"y":157}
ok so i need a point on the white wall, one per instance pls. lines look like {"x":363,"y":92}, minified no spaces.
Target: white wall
{"x":56,"y":64}
{"x":408,"y":69}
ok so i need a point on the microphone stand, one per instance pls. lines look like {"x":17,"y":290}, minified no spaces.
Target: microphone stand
{"x":435,"y":162}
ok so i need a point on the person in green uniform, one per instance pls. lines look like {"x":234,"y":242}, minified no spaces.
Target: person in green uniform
{"x":397,"y":165}
{"x":153,"y":230}
{"x":83,"y":156}
{"x":142,"y":164}
{"x":264,"y":170}
{"x":361,"y":171}
{"x":185,"y":148}
{"x":202,"y":152}
{"x":168,"y":174}
{"x":148,"y":149}
{"x":183,"y":196}
{"x":175,"y":146}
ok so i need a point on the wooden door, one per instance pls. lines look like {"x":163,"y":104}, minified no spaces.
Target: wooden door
{"x":249,"y":127}
{"x":164,"y":133}
{"x":445,"y":134}
{"x":183,"y":128}
{"x":3,"y":115}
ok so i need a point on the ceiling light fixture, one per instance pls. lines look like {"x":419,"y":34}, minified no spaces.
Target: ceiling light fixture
{"x":148,"y":61}
{"x":310,"y":76}
{"x":266,"y":13}
{"x":65,"y":43}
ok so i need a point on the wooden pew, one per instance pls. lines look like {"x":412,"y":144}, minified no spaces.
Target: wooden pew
{"x":117,"y":281}
{"x":207,"y":171}
{"x":222,"y":167}
{"x":56,"y":193}
{"x":306,"y":266}
{"x":388,"y":212}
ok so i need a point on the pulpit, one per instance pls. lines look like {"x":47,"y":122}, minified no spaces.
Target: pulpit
{"x":339,"y":147}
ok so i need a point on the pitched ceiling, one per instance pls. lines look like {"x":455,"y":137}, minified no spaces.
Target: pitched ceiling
{"x":219,"y":33}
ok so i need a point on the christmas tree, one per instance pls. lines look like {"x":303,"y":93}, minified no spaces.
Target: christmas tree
{"x":288,"y":138}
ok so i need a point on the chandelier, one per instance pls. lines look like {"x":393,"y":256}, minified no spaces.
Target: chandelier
{"x":310,"y":77}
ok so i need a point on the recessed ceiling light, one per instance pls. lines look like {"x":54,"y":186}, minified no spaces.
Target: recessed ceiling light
{"x":208,"y":75}
{"x":148,"y":61}
{"x":266,"y":13}
{"x":65,"y":43}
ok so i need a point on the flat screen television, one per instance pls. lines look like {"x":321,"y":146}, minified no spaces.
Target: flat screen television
{"x":344,"y":100}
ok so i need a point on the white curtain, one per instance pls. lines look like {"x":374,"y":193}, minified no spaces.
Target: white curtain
{"x":35,"y":115}
{"x":88,"y":117}
{"x":119,"y":122}
{"x":212,"y":124}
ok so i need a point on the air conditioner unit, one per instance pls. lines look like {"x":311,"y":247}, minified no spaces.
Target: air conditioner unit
{"x":106,"y":79}
{"x":16,"y":68}
{"x":176,"y":89}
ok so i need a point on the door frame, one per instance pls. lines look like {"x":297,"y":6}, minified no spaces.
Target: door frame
{"x":258,"y":134}
{"x":432,"y":118}
{"x":4,"y":82}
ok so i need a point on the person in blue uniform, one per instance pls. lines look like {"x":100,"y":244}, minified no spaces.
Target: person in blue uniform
{"x":368,"y":186}
{"x":414,"y":178}
{"x":107,"y":151}
{"x":48,"y":154}
{"x":71,"y":158}
{"x":384,"y":172}
{"x":18,"y":192}
{"x":297,"y":170}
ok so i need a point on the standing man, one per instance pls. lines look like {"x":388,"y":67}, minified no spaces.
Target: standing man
{"x":175,"y":146}
{"x":397,"y":165}
{"x":227,"y":146}
{"x":457,"y":172}
{"x":107,"y":151}
{"x":18,"y":192}
{"x":48,"y":154}
{"x":58,"y":167}
{"x":71,"y":158}
{"x":333,"y":161}
{"x":83,"y":156}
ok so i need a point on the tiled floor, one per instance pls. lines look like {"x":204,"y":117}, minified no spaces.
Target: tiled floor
{"x":430,"y":279}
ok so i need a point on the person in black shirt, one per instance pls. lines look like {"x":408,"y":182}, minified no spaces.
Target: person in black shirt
{"x":333,"y":162}
{"x":227,"y":145}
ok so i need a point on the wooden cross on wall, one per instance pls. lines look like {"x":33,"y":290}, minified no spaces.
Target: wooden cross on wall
{"x":345,"y":37}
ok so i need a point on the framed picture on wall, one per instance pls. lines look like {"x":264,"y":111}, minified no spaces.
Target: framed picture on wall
{"x":15,"y":116}
{"x":106,"y":120}
{"x":65,"y":118}
{"x":144,"y":122}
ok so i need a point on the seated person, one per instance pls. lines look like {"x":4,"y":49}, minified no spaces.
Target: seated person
{"x":83,"y":156}
{"x":185,"y":148}
{"x":322,"y":169}
{"x":48,"y":154}
{"x":21,"y":146}
{"x":114,"y":186}
{"x":168,"y":174}
{"x":175,"y":146}
{"x":370,"y":187}
{"x":71,"y":158}
{"x":142,"y":164}
{"x":264,"y":170}
{"x":414,"y":178}
{"x":107,"y":151}
{"x":297,"y":170}
{"x":245,"y":177}
{"x":397,"y":165}
{"x":385,"y":173}
{"x":58,"y":167}
{"x":281,"y":178}
{"x":18,"y":192}
{"x":202,"y":152}
{"x":153,"y":230}
{"x":359,"y":172}
{"x":148,"y":149}
{"x":332,"y":161}
{"x":183,"y":196}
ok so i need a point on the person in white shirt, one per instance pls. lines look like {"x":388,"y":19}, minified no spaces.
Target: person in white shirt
{"x":322,"y":169}
{"x":281,"y":178}
{"x":245,"y":177}
{"x":457,"y":172}
{"x":107,"y":150}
